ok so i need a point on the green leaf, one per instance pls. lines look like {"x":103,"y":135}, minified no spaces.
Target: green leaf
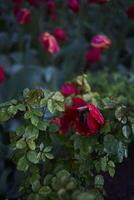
{"x":35,"y":185}
{"x":20,"y":131}
{"x":21,"y":144}
{"x":86,"y":196}
{"x":126,"y":131}
{"x":99,"y":181}
{"x":22,"y":164}
{"x":110,"y":144}
{"x":4,"y":115}
{"x":49,"y":156}
{"x":32,"y":156}
{"x":45,"y":190}
{"x":111,"y":171}
{"x":12,"y":110}
{"x":31,"y":132}
{"x":103,"y":164}
{"x":47,"y":149}
{"x":53,"y":128}
{"x":34,"y":120}
{"x":21,"y":107}
{"x":42,"y":125}
{"x":50,"y":106}
{"x":31,"y":144}
{"x":58,"y":97}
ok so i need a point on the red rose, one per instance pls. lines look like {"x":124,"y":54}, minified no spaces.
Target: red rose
{"x":2,"y":74}
{"x":68,"y":89}
{"x":86,"y":118}
{"x":60,"y":34}
{"x":93,"y":55}
{"x":49,"y":42}
{"x":101,"y":41}
{"x":23,"y":16}
{"x":130,"y":12}
{"x":74,"y":5}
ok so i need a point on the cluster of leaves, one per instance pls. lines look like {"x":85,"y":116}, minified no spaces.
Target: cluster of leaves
{"x":69,"y":166}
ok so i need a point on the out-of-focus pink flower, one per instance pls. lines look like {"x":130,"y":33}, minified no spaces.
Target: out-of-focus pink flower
{"x":60,"y":34}
{"x":93,"y":55}
{"x":86,"y":118}
{"x":130,"y":12}
{"x":23,"y":16}
{"x":101,"y":41}
{"x":49,"y":42}
{"x":68,"y":89}
{"x":97,"y":1}
{"x":35,"y":3}
{"x":2,"y":74}
{"x":74,"y":5}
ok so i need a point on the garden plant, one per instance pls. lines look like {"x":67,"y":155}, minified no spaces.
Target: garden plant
{"x":67,"y":110}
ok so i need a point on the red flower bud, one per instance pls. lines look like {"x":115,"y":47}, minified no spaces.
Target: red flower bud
{"x":74,"y":5}
{"x":49,"y":42}
{"x":60,"y":34}
{"x":130,"y":12}
{"x":101,"y":41}
{"x":2,"y":74}
{"x":93,"y":55}
{"x":68,"y":89}
{"x":23,"y":16}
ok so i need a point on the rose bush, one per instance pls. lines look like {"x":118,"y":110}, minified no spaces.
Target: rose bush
{"x":63,"y":144}
{"x":58,"y":161}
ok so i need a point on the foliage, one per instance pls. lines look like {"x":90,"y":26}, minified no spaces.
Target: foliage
{"x":38,"y":161}
{"x":69,"y":166}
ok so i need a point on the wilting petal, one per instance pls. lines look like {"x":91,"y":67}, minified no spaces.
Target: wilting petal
{"x":93,"y":126}
{"x":69,"y":116}
{"x":96,"y":114}
{"x":78,"y":103}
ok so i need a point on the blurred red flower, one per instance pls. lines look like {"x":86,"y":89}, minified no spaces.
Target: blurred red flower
{"x":2,"y":74}
{"x":23,"y":16}
{"x":101,"y":41}
{"x":130,"y":12}
{"x":86,"y":118}
{"x":60,"y":34}
{"x":93,"y":55}
{"x":74,"y":5}
{"x":68,"y":89}
{"x":49,"y":42}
